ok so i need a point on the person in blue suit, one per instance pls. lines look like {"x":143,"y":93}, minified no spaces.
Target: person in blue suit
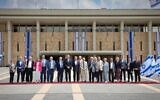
{"x":20,"y":65}
{"x":44,"y":67}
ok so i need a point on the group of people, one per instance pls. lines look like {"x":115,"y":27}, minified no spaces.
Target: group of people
{"x":94,"y":69}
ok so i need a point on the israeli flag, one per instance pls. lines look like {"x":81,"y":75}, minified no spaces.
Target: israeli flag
{"x":147,"y":65}
{"x":157,"y":70}
{"x":151,"y":71}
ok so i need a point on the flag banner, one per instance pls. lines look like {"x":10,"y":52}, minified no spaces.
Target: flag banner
{"x":151,"y":68}
{"x":83,"y":41}
{"x":146,"y":65}
{"x":76,"y":45}
{"x":28,"y":44}
{"x":1,"y":52}
{"x":157,"y":70}
{"x":158,"y":42}
{"x":131,"y":45}
{"x":80,"y":41}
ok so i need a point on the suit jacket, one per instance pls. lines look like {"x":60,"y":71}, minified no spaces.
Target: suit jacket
{"x":113,"y":66}
{"x":76,"y":67}
{"x":49,"y":65}
{"x":20,"y":66}
{"x":83,"y":65}
{"x":105,"y":66}
{"x":46,"y":63}
{"x":58,"y":65}
{"x":118,"y":64}
{"x":31,"y":66}
{"x":68,"y":65}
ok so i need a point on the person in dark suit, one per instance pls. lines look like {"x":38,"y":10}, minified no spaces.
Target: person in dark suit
{"x":111,"y":70}
{"x":123,"y":69}
{"x":90,"y":61}
{"x":44,"y":67}
{"x":29,"y":70}
{"x":51,"y":69}
{"x":68,"y":67}
{"x":130,"y":70}
{"x":20,"y":69}
{"x":118,"y":69}
{"x":137,"y":65}
{"x":60,"y":69}
{"x":76,"y":69}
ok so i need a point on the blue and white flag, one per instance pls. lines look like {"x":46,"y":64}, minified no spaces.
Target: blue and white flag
{"x":151,"y":71}
{"x":131,"y":45}
{"x":158,"y":42}
{"x":76,"y":43}
{"x":1,"y":52}
{"x":157,"y":71}
{"x":80,"y":41}
{"x":28,"y":44}
{"x":146,"y":66}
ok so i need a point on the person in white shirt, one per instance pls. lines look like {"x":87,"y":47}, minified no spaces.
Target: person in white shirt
{"x":29,"y":70}
{"x":84,"y":67}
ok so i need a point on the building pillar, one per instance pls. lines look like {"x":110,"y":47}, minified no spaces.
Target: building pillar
{"x":38,"y":38}
{"x":94,"y":35}
{"x":66,"y":35}
{"x":122,"y":37}
{"x":150,"y":37}
{"x":9,"y":30}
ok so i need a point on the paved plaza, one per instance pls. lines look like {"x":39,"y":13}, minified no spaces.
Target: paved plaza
{"x":148,"y":89}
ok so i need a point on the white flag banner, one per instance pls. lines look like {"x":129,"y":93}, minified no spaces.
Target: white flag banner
{"x":158,"y":42}
{"x":157,"y":71}
{"x":146,"y":66}
{"x":76,"y":44}
{"x":80,"y":41}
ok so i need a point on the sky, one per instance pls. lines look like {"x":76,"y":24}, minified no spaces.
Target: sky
{"x":76,"y":4}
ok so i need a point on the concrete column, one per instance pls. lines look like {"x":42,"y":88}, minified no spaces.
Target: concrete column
{"x":38,"y":38}
{"x":9,"y":29}
{"x":94,"y":35}
{"x":66,"y":35}
{"x":122,"y":37}
{"x":150,"y":37}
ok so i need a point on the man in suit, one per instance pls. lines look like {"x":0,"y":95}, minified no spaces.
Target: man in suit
{"x":76,"y":69}
{"x":100,"y":68}
{"x":130,"y":70}
{"x":137,"y":65}
{"x":68,"y":67}
{"x":123,"y":69}
{"x":29,"y":70}
{"x":84,"y":67}
{"x":93,"y":65}
{"x":44,"y":66}
{"x":50,"y":69}
{"x":20,"y":69}
{"x":118,"y":69}
{"x":90,"y":61}
{"x":111,"y":70}
{"x":60,"y":69}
